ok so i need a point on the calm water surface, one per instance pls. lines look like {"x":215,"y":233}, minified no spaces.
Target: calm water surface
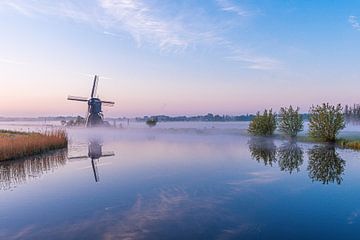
{"x":181,"y":181}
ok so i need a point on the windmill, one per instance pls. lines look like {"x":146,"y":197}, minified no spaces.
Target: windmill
{"x":94,"y":116}
{"x":94,"y":153}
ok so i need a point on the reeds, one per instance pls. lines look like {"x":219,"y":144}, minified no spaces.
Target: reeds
{"x":14,"y":145}
{"x":350,"y":144}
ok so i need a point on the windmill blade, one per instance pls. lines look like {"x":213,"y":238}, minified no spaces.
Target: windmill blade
{"x":95,"y":169}
{"x":94,"y":88}
{"x":108,"y":103}
{"x":78,"y":158}
{"x":108,"y":154}
{"x":80,"y":99}
{"x":87,"y":114}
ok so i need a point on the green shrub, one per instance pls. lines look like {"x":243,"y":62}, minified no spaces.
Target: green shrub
{"x":325,"y":122}
{"x":291,"y":122}
{"x":263,"y":125}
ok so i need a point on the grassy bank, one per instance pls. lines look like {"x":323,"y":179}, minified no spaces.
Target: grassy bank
{"x":348,"y":143}
{"x":15,"y":145}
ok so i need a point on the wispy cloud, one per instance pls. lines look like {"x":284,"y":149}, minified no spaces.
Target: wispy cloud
{"x":66,"y":9}
{"x":111,"y":34}
{"x":138,"y":19}
{"x":17,"y":7}
{"x":354,"y":216}
{"x":264,"y":177}
{"x":230,"y":6}
{"x":253,"y":61}
{"x":353,"y":20}
{"x":150,"y":24}
{"x":11,"y":61}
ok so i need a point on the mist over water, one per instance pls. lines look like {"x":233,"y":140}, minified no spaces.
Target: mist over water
{"x":180,"y":181}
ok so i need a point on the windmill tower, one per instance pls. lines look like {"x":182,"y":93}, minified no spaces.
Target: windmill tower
{"x":94,"y":116}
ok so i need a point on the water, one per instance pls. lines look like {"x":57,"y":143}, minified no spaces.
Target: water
{"x":181,"y":181}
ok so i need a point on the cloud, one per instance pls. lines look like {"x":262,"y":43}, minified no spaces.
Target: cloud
{"x":353,"y":216}
{"x":162,"y":26}
{"x":354,"y":22}
{"x":111,"y":34}
{"x":11,"y":61}
{"x":138,"y":19}
{"x":253,"y":61}
{"x":66,"y":9}
{"x":229,"y":6}
{"x":264,"y":177}
{"x":17,"y":7}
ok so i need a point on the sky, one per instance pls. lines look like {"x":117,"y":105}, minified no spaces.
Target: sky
{"x":177,"y":57}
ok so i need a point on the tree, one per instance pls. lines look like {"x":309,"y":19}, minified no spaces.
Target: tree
{"x":263,"y":125}
{"x":152,"y":121}
{"x":326,"y":121}
{"x":291,"y":122}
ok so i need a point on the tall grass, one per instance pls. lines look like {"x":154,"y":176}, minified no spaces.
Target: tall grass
{"x":350,"y":144}
{"x":15,"y":145}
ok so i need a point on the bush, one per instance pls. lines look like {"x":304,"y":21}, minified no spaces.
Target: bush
{"x":291,"y":122}
{"x":152,"y":121}
{"x":325,"y":122}
{"x":263,"y":125}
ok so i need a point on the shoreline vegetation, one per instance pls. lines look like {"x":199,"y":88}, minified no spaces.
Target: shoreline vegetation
{"x":325,"y":123}
{"x":15,"y":145}
{"x":343,"y":142}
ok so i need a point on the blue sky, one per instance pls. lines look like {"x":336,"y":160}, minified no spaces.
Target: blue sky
{"x":178,"y":57}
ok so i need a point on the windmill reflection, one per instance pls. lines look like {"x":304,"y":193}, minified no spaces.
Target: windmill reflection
{"x":94,"y":153}
{"x":13,"y":173}
{"x":325,"y":164}
{"x":290,"y":157}
{"x":263,"y":150}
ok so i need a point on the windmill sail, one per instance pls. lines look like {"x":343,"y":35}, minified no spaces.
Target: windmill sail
{"x":107,"y":154}
{"x":78,"y":158}
{"x":80,"y":99}
{"x":94,"y":88}
{"x":95,"y":170}
{"x":108,"y":103}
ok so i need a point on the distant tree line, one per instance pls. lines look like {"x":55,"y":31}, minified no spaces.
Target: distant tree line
{"x":352,"y":113}
{"x":204,"y":118}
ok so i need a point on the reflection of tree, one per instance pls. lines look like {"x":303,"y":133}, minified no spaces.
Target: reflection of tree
{"x":290,"y":157}
{"x":325,"y":164}
{"x":263,"y":149}
{"x":15,"y":172}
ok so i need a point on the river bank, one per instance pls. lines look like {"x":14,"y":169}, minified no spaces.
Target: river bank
{"x":16,"y":144}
